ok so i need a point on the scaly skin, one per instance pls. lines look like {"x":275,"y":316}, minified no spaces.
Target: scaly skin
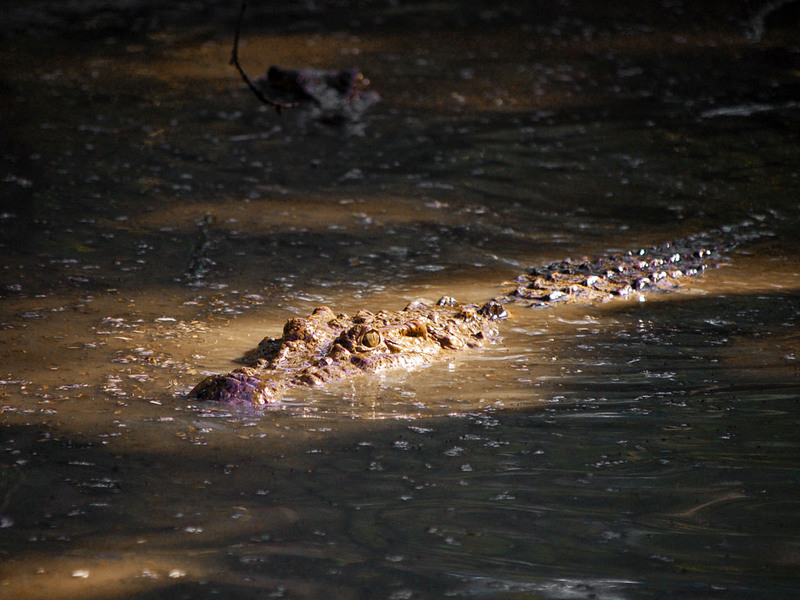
{"x":326,"y":347}
{"x":660,"y":268}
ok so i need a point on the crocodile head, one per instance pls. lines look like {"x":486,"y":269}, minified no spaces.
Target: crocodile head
{"x":325,"y":347}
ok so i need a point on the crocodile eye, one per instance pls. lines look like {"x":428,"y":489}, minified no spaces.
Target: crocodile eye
{"x":371,"y":339}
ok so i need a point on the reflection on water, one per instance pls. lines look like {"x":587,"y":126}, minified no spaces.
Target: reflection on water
{"x":157,"y":223}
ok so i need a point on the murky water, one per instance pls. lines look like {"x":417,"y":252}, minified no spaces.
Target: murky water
{"x":157,"y":223}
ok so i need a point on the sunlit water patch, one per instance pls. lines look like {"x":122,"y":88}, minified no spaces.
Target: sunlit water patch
{"x":158,"y":223}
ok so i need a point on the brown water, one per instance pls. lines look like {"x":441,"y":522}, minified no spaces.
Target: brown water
{"x":157,"y":223}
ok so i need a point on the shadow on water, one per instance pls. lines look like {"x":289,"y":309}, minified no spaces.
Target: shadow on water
{"x":647,"y":459}
{"x":156,"y":223}
{"x":547,"y":139}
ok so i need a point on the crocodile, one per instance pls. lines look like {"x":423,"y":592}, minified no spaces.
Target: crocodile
{"x":326,"y":347}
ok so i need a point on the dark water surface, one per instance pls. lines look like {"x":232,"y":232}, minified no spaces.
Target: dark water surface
{"x":157,"y":222}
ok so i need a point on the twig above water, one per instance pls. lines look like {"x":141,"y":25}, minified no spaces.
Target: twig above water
{"x":278,"y":106}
